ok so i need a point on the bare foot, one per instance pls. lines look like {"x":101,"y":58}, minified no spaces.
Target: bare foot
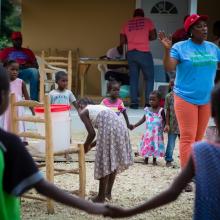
{"x":98,"y":199}
{"x":168,"y":164}
{"x":154,"y":161}
{"x":146,"y":160}
{"x":108,"y":197}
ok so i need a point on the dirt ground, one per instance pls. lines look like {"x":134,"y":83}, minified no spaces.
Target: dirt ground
{"x":134,"y":186}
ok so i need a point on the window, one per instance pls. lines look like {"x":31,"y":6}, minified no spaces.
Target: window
{"x":164,"y":7}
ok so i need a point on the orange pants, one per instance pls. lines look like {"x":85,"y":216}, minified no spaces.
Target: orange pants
{"x":192,"y":120}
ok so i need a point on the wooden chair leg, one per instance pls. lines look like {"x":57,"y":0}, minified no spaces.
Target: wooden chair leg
{"x":82,"y":171}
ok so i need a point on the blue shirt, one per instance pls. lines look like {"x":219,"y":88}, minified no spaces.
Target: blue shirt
{"x":195,"y":71}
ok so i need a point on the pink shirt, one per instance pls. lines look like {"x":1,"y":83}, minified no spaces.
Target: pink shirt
{"x":137,"y":32}
{"x":117,"y":106}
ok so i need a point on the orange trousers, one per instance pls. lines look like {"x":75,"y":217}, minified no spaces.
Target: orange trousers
{"x":192,"y":120}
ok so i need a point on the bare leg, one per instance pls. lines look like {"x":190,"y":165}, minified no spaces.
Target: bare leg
{"x":102,"y":190}
{"x":154,"y":161}
{"x":110,"y":184}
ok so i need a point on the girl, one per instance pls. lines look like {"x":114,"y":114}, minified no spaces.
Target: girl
{"x":61,"y":95}
{"x":19,"y":173}
{"x":203,"y":164}
{"x":114,"y":102}
{"x":18,"y":87}
{"x":152,"y":141}
{"x":113,"y":148}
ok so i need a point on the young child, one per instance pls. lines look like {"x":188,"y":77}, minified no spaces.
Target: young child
{"x":114,"y":102}
{"x":204,"y":166}
{"x":152,"y":143}
{"x":113,"y":147}
{"x":171,"y":125}
{"x":18,"y":172}
{"x":61,"y":95}
{"x":18,"y":87}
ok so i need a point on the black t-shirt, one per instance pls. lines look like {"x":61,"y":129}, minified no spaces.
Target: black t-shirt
{"x":21,"y":172}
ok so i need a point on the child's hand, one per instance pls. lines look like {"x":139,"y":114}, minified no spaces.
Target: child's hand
{"x":167,"y":128}
{"x":115,"y":212}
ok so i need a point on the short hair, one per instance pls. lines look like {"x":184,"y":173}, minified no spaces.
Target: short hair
{"x":9,"y":62}
{"x":85,"y":101}
{"x":4,"y":81}
{"x":157,"y":93}
{"x":111,"y":83}
{"x":139,"y":12}
{"x":215,"y":104}
{"x":59,"y":75}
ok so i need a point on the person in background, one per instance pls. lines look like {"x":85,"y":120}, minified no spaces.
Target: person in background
{"x":114,"y":102}
{"x":113,"y":147}
{"x":117,"y":72}
{"x":62,"y":95}
{"x":28,"y":67}
{"x":136,"y":33}
{"x":203,"y":165}
{"x":192,"y":59}
{"x":152,"y":143}
{"x":180,"y":34}
{"x":171,"y":126}
{"x":19,"y":173}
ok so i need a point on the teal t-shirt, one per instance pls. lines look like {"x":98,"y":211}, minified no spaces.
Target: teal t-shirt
{"x":195,"y":71}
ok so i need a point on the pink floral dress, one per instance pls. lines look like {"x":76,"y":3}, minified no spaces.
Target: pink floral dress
{"x":152,"y":143}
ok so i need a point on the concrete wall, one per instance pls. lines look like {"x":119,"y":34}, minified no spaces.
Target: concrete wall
{"x":93,"y":26}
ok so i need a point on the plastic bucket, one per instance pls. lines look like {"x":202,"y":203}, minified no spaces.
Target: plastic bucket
{"x":61,"y":132}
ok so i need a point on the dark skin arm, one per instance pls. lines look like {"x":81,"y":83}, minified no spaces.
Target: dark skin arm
{"x":123,"y":39}
{"x":163,"y":198}
{"x":167,"y":126}
{"x":26,"y":95}
{"x":127,"y":120}
{"x":76,"y":106}
{"x":50,"y":190}
{"x":153,"y":35}
{"x":84,"y":115}
{"x":163,"y":117}
{"x":143,"y":119}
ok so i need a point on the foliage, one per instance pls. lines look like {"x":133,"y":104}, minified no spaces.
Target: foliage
{"x":4,"y":42}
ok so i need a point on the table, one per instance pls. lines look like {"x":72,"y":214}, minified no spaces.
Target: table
{"x":84,"y":65}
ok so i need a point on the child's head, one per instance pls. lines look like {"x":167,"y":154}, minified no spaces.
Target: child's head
{"x":113,"y":88}
{"x":154,"y":99}
{"x":215,"y":105}
{"x":4,"y":89}
{"x":12,"y":67}
{"x":83,"y":102}
{"x":61,"y":80}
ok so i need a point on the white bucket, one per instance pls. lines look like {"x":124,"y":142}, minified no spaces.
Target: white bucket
{"x":61,"y":132}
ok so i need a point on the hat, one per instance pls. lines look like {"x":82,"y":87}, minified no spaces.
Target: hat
{"x":16,"y":35}
{"x":192,"y":19}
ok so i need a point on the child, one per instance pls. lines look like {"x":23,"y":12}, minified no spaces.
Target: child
{"x":114,"y":102}
{"x":18,"y":172}
{"x":204,"y":166}
{"x":113,"y":147}
{"x":171,"y":125}
{"x":18,"y":87}
{"x":152,"y":141}
{"x":61,"y":95}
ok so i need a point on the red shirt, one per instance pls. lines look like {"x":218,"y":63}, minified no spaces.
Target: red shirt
{"x":137,"y":32}
{"x":22,"y":56}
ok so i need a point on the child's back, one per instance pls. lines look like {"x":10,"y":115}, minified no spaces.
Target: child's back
{"x":207,"y":176}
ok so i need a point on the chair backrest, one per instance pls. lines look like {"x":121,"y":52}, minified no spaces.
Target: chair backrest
{"x":46,"y":120}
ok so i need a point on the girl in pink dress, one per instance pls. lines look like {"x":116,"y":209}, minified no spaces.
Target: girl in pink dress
{"x":18,"y":87}
{"x":114,"y":102}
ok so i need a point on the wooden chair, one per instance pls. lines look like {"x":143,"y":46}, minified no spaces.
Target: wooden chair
{"x":49,"y":65}
{"x":51,"y":171}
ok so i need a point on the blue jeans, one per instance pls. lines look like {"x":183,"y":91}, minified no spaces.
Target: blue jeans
{"x":170,"y":146}
{"x":31,"y":75}
{"x":137,"y":61}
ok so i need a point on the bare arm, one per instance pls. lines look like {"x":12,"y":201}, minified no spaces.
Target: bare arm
{"x":169,"y":63}
{"x":75,"y":105}
{"x":50,"y":190}
{"x":126,"y":119}
{"x":153,"y":35}
{"x":140,"y":122}
{"x":167,"y":126}
{"x":26,"y":95}
{"x":84,"y":115}
{"x":163,"y":198}
{"x":123,"y":39}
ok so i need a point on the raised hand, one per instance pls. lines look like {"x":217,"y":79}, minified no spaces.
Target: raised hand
{"x":165,"y":40}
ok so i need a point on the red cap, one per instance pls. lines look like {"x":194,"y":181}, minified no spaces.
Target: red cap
{"x":192,"y":19}
{"x":16,"y":35}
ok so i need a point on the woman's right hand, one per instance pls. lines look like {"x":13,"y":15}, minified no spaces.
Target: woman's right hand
{"x":165,"y":40}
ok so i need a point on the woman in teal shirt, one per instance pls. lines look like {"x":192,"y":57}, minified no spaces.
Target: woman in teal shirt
{"x":195,"y":61}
